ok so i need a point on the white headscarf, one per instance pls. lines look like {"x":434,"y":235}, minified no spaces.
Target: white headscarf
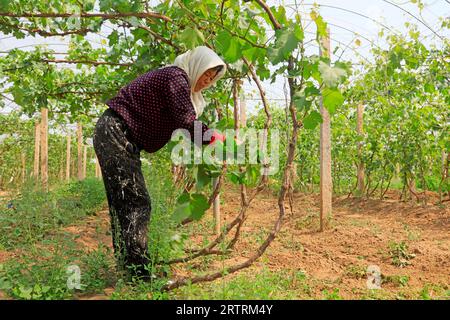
{"x":195,"y":62}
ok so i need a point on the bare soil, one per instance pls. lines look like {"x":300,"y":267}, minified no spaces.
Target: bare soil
{"x":358,"y":235}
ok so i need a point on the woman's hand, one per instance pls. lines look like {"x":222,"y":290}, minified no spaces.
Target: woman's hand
{"x":217,"y":136}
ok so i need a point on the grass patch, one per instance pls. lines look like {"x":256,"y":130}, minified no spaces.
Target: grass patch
{"x":411,"y":233}
{"x":434,"y":292}
{"x":27,"y":218}
{"x":266,"y":285}
{"x":59,"y":272}
{"x":138,"y":290}
{"x":310,"y":221}
{"x":398,"y":280}
{"x":356,"y":271}
{"x":332,"y":295}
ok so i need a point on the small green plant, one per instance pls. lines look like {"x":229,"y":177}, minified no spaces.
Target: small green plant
{"x":355,"y":271}
{"x":97,"y":266}
{"x":139,"y":290}
{"x":43,"y":280}
{"x":333,"y":295}
{"x":413,"y":235}
{"x":398,"y":280}
{"x":59,"y":271}
{"x":399,"y":254}
{"x":37,"y":292}
{"x":434,"y":291}
{"x":374,"y":294}
{"x":308,"y":222}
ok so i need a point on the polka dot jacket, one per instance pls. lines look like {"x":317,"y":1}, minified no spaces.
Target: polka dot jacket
{"x":154,"y":105}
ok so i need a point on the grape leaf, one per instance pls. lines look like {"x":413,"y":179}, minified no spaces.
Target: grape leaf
{"x":331,"y":76}
{"x":332,"y":99}
{"x":312,"y":120}
{"x":192,"y":37}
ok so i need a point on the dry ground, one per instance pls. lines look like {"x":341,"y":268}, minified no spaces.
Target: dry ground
{"x":359,"y":234}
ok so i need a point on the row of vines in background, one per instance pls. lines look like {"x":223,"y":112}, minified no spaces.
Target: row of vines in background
{"x":406,"y":97}
{"x":398,"y":114}
{"x":404,"y":143}
{"x":18,"y":153}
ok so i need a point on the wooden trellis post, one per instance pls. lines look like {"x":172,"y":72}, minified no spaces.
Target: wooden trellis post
{"x":37,"y":148}
{"x":243,"y":110}
{"x":99,"y":169}
{"x":236,"y":110}
{"x":215,"y":181}
{"x":216,"y":208}
{"x":359,"y":129}
{"x":61,"y":169}
{"x":73,"y":167}
{"x":84,"y":161}
{"x":326,"y":183}
{"x":445,"y":157}
{"x":44,"y":148}
{"x":80,"y":151}
{"x":69,"y":142}
{"x":443,"y":163}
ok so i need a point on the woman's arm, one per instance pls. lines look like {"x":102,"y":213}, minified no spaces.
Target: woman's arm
{"x":180,"y":105}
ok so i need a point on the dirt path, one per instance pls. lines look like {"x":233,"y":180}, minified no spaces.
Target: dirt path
{"x":359,"y":235}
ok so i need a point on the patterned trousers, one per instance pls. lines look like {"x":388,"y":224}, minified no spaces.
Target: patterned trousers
{"x":128,"y":200}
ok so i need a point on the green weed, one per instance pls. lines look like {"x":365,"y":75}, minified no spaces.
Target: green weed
{"x":398,"y":280}
{"x":333,"y":295}
{"x":265,"y":284}
{"x":399,"y":254}
{"x":47,"y":274}
{"x":35,"y":213}
{"x":356,"y":271}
